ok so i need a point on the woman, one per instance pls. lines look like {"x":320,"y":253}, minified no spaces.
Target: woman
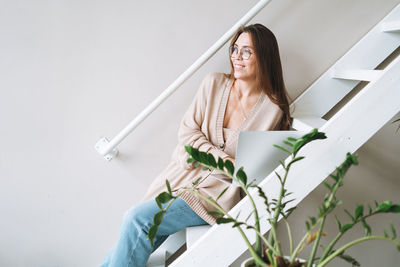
{"x":252,"y":97}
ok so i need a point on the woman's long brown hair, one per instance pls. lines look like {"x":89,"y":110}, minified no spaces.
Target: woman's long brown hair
{"x":269,"y":75}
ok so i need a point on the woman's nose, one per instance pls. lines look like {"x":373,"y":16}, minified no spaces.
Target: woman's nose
{"x":238,"y":56}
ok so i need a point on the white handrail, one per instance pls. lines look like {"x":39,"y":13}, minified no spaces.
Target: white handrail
{"x":107,"y":148}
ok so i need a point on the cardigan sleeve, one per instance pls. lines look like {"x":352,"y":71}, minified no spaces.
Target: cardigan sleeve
{"x":190,"y":129}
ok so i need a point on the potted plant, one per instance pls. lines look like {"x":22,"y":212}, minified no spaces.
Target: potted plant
{"x":267,"y":250}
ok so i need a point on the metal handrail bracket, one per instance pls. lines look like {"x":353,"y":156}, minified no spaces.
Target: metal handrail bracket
{"x":108,"y":148}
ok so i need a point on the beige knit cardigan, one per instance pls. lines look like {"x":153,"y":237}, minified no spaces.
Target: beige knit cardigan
{"x":202,"y":128}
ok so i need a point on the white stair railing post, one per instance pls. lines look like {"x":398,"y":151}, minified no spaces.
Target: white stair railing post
{"x":108,"y":148}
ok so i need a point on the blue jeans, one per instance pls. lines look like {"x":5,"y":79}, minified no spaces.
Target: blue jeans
{"x":132,"y":248}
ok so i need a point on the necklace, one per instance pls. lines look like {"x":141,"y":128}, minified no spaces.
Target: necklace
{"x":240,"y":105}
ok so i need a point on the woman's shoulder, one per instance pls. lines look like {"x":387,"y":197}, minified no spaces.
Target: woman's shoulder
{"x":215,"y":81}
{"x":217,"y":76}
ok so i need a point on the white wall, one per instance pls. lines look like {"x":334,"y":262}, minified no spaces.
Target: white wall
{"x":72,"y":71}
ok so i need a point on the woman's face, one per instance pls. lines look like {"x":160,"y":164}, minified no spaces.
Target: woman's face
{"x":244,"y":69}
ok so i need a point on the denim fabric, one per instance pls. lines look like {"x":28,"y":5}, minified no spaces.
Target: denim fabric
{"x":132,"y":248}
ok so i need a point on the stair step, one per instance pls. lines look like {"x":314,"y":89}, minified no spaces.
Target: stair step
{"x":357,"y":74}
{"x":168,"y":248}
{"x":307,"y":123}
{"x":367,"y":54}
{"x":194,"y":233}
{"x":157,"y":258}
{"x":391,"y":26}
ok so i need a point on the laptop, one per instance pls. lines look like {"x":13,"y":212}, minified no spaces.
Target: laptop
{"x":256,"y":152}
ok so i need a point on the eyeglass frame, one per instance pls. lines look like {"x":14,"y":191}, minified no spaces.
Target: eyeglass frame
{"x":241,"y":52}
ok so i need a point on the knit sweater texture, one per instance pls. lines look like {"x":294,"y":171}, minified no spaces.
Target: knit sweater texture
{"x":202,"y":128}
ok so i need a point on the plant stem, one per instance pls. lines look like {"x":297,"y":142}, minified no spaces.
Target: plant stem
{"x":257,"y":221}
{"x":258,"y":246}
{"x":330,"y":246}
{"x":289,"y":236}
{"x":301,"y":244}
{"x":257,"y":257}
{"x":274,"y":221}
{"x":316,"y":242}
{"x":354,"y":242}
{"x":339,"y":235}
{"x":297,"y":249}
{"x":326,"y":212}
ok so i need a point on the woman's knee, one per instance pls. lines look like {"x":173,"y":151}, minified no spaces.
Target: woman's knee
{"x":140,"y":216}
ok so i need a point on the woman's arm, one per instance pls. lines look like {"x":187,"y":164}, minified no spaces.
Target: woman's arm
{"x":190,"y":129}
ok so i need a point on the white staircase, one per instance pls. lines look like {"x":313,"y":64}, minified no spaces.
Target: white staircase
{"x":347,"y":130}
{"x":174,"y":242}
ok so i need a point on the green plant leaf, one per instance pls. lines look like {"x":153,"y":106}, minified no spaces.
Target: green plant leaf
{"x":326,"y":204}
{"x":216,"y":213}
{"x":369,"y":209}
{"x":229,"y":167}
{"x":286,"y":202}
{"x":224,"y":220}
{"x":283,"y":164}
{"x":346,"y":227}
{"x":339,"y":225}
{"x":289,"y":211}
{"x":398,"y":246}
{"x":292,"y":139}
{"x":308,"y":227}
{"x":152,"y":234}
{"x":283,"y":149}
{"x":334,"y":177}
{"x":394,"y":235}
{"x":348,"y":213}
{"x":220,"y":164}
{"x":168,"y":187}
{"x":349,"y":259}
{"x":158,"y":203}
{"x":359,"y":211}
{"x":384,"y":206}
{"x":204,"y":158}
{"x":288,"y":143}
{"x":158,"y":217}
{"x":189,"y":149}
{"x":189,"y":160}
{"x":313,"y":220}
{"x":193,"y":152}
{"x":197,"y":181}
{"x":296,"y":159}
{"x":327,"y":185}
{"x":222,"y":192}
{"x":237,"y":216}
{"x":241,"y":175}
{"x":196,"y":164}
{"x":236,"y":224}
{"x":211,"y":161}
{"x":248,"y":216}
{"x":367,"y":228}
{"x":305,"y":139}
{"x":394,"y":209}
{"x":279,"y":178}
{"x":297,"y":145}
{"x":321,"y":212}
{"x":164,"y":197}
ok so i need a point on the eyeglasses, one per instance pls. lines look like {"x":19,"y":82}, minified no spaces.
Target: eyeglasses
{"x":245,"y":52}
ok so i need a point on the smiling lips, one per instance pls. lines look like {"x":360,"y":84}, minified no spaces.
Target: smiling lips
{"x":238,"y":66}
